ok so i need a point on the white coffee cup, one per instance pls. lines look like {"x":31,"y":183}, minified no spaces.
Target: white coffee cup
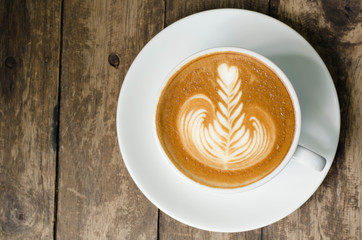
{"x":296,"y":152}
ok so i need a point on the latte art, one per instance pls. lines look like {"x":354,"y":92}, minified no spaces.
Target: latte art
{"x":225,"y":120}
{"x":224,"y":142}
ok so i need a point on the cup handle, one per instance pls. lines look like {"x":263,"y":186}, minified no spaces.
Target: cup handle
{"x":309,"y":158}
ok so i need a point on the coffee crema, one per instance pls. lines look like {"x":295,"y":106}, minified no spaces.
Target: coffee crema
{"x":225,"y":120}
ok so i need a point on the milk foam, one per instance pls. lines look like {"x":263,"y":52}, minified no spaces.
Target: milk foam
{"x":216,"y":135}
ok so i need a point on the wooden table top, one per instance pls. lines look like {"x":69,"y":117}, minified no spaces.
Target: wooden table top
{"x":62,"y":66}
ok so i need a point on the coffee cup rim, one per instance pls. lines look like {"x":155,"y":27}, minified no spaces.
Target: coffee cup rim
{"x":290,"y":89}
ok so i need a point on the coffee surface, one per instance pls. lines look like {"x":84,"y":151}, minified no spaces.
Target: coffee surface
{"x":225,"y":120}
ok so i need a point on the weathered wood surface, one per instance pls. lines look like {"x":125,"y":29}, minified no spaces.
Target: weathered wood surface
{"x":96,"y":42}
{"x":29,"y":70}
{"x":97,"y":197}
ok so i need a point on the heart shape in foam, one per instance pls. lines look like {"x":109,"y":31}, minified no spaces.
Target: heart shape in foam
{"x":229,"y":75}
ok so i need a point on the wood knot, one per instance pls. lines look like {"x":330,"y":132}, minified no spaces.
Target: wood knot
{"x":18,"y":212}
{"x":113,"y":59}
{"x":340,"y":15}
{"x":10,"y":62}
{"x":46,"y":59}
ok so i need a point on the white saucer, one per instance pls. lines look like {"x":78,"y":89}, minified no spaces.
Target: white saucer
{"x":152,"y":173}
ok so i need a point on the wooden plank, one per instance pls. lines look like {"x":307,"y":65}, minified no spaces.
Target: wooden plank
{"x":335,"y":30}
{"x":175,"y":10}
{"x":97,"y":197}
{"x":29,"y":70}
{"x":170,"y":228}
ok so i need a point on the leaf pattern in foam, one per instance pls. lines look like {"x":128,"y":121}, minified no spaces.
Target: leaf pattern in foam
{"x":225,"y":142}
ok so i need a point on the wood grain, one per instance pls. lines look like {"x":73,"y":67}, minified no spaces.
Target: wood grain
{"x":334,"y":28}
{"x":29,"y":70}
{"x":97,"y":197}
